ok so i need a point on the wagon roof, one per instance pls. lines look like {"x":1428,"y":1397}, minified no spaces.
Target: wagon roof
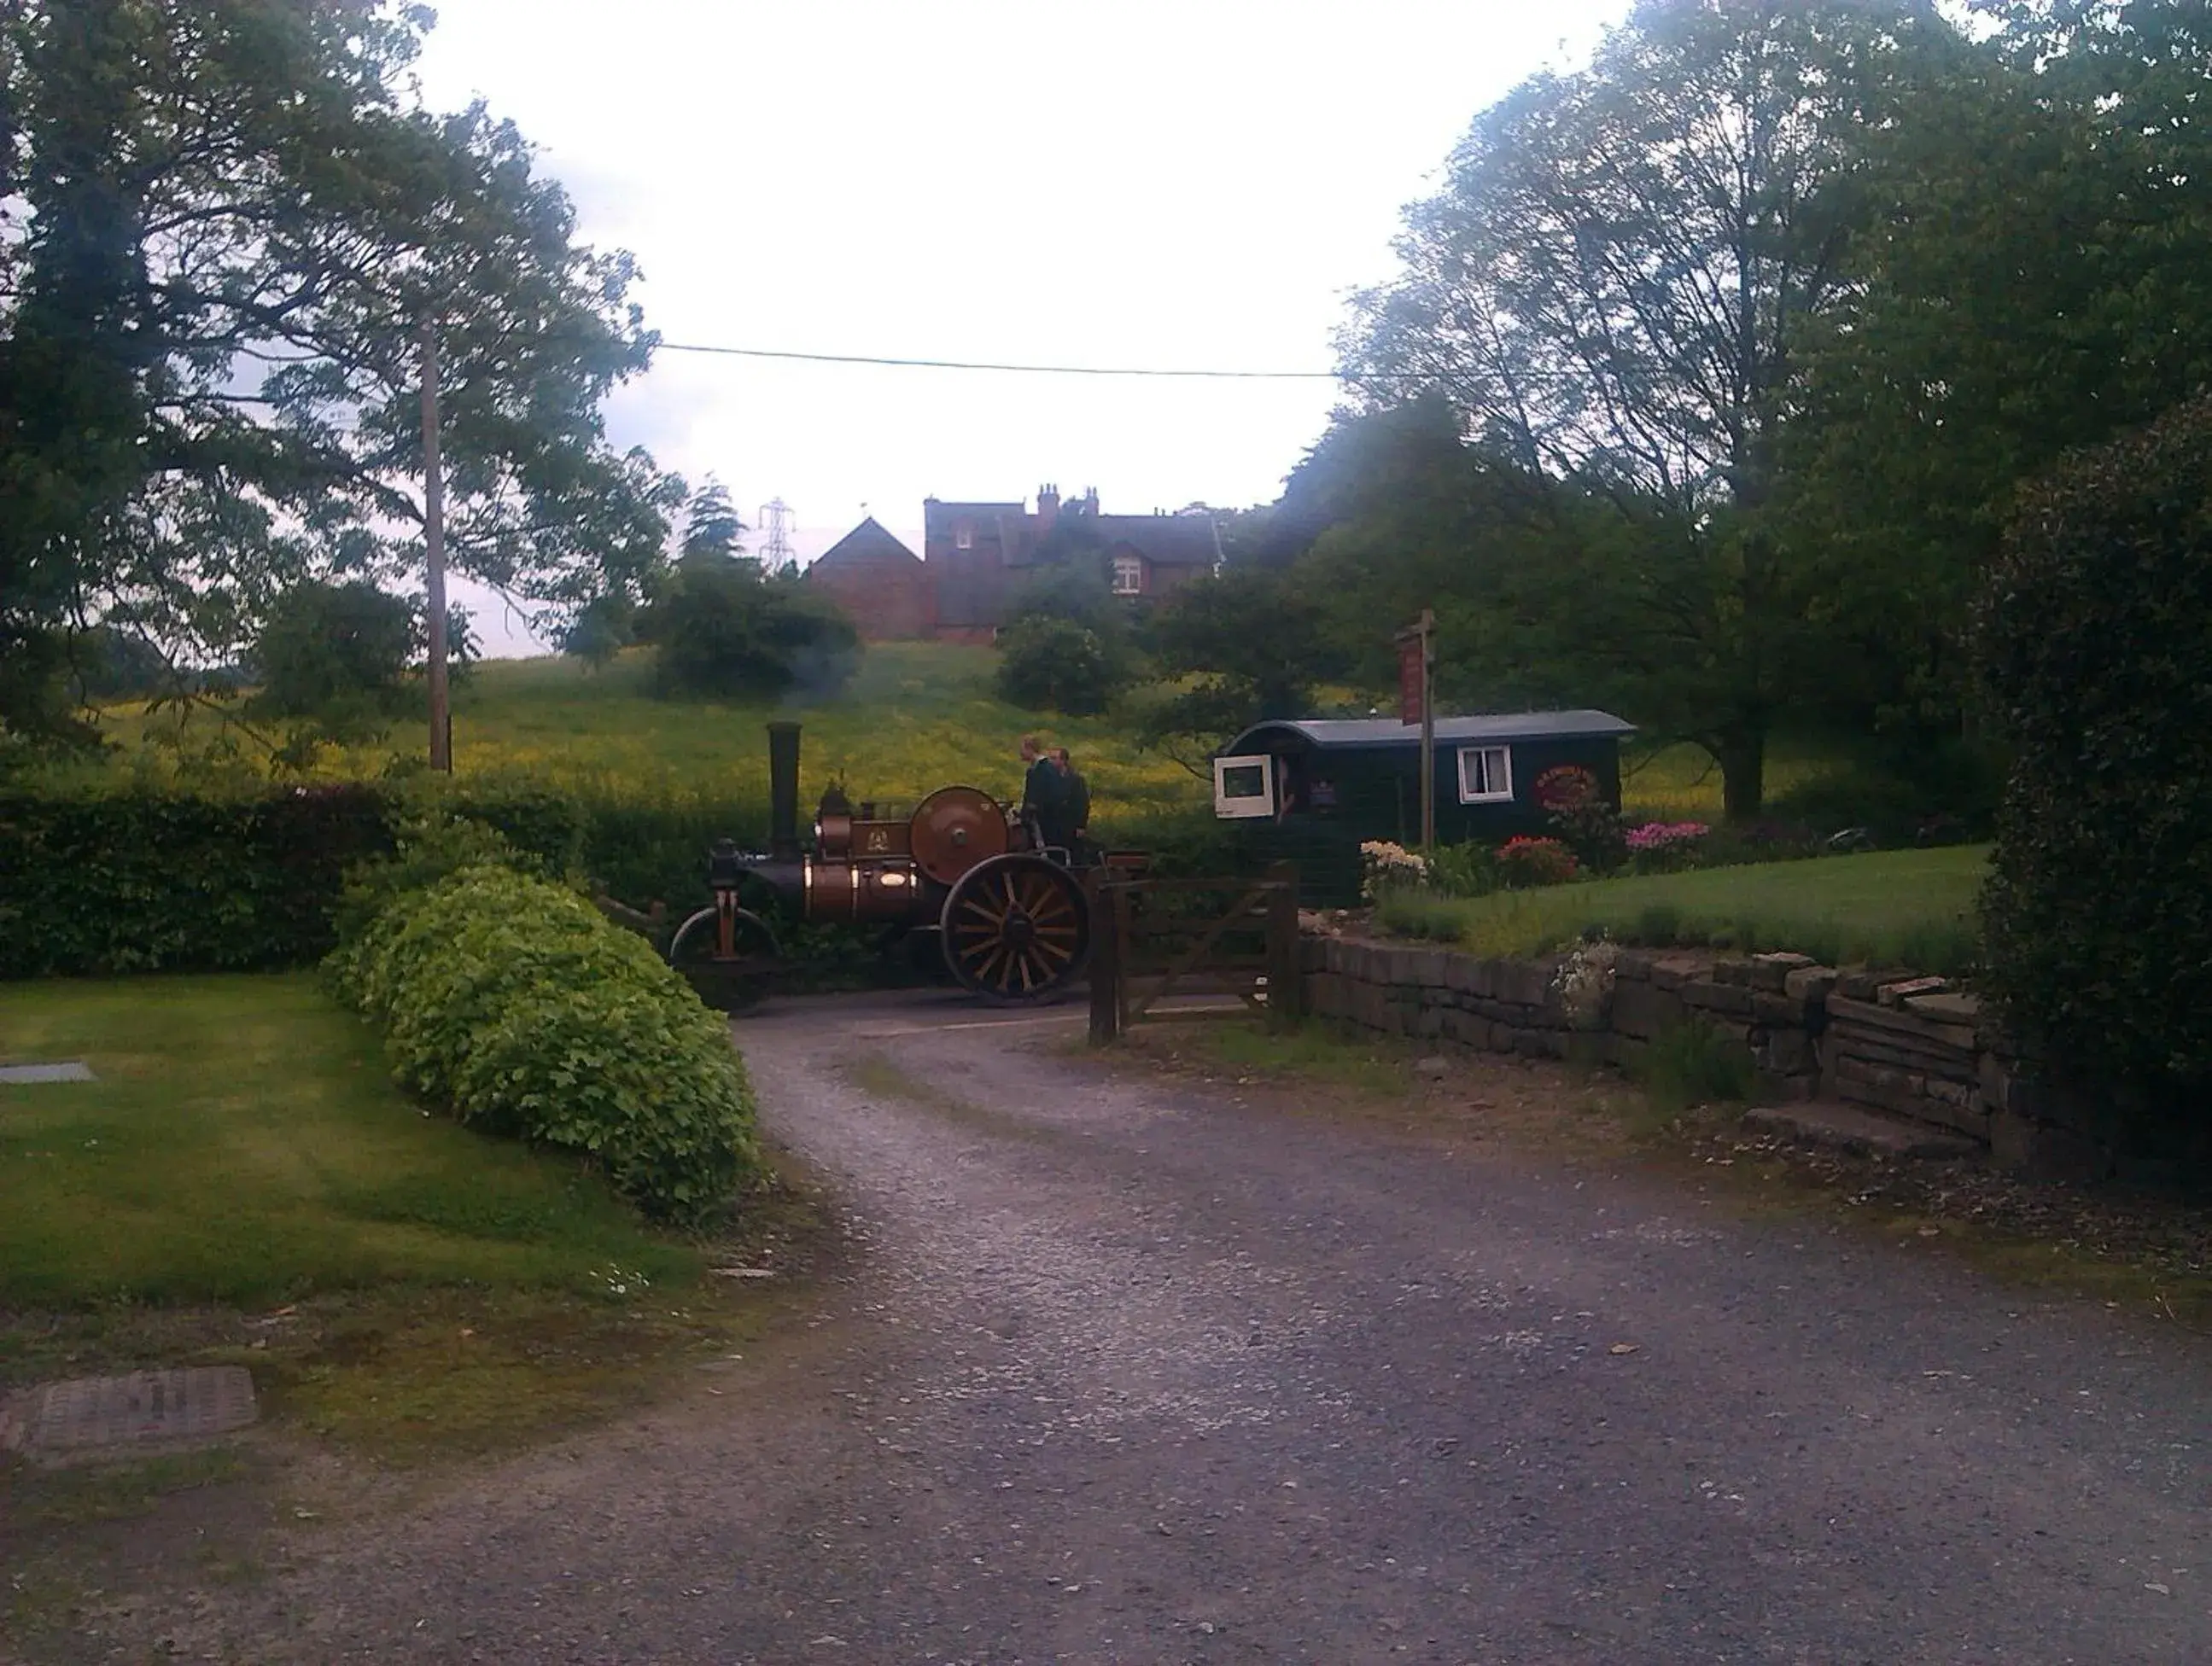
{"x":1488,"y":726}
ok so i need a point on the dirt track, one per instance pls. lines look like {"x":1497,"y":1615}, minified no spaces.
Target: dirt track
{"x":1125,"y":1373}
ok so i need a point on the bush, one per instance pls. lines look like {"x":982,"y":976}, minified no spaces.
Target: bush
{"x":1465,"y":870}
{"x":1524,"y":863}
{"x":513,"y":1003}
{"x":1053,"y":665}
{"x":723,"y":630}
{"x":1405,"y":912}
{"x":2094,"y":640}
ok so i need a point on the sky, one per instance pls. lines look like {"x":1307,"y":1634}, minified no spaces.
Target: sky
{"x":1191,"y":185}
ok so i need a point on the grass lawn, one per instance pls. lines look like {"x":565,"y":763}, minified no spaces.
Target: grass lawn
{"x":244,"y":1150}
{"x":1895,"y":907}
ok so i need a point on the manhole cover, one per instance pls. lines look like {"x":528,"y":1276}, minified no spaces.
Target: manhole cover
{"x":74,"y":1070}
{"x":147,"y":1407}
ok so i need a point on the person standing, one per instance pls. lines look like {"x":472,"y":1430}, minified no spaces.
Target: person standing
{"x":1043,"y":793}
{"x":1078,"y":797}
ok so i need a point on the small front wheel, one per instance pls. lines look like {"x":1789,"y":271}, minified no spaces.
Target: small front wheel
{"x":728,"y":978}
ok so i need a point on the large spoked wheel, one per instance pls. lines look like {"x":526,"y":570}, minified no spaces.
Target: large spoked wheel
{"x":733,"y":980}
{"x":1017,"y":928}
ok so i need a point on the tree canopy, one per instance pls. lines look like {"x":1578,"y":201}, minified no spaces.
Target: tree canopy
{"x":230,"y":225}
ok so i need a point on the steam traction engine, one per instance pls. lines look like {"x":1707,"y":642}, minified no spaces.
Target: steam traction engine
{"x":1013,"y":914}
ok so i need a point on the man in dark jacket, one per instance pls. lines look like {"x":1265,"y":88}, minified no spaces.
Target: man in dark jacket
{"x":1078,"y":797}
{"x":1044,"y":794}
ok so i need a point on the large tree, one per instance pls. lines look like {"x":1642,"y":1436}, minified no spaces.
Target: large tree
{"x":1611,"y":292}
{"x":230,"y":225}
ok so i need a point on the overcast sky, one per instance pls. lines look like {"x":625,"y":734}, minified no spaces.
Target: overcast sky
{"x":1195,"y":183}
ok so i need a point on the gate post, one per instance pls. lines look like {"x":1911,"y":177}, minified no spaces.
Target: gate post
{"x":1286,"y":985}
{"x":1105,"y":965}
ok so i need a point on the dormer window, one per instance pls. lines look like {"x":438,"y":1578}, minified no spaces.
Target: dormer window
{"x":1128,"y":575}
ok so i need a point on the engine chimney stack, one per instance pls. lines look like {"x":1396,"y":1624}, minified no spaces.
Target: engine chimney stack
{"x":783,"y":791}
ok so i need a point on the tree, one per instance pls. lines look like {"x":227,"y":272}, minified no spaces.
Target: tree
{"x":1611,"y":293}
{"x":1049,"y":662}
{"x":2031,"y":272}
{"x":724,"y":630}
{"x":711,"y":526}
{"x":327,"y":646}
{"x":1253,"y":643}
{"x":234,"y":223}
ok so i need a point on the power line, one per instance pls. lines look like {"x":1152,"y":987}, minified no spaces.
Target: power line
{"x":1024,"y":370}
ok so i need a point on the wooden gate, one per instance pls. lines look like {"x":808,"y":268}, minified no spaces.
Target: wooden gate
{"x":1154,"y":938}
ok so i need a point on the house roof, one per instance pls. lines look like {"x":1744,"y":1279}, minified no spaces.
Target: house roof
{"x":1329,"y":732}
{"x":868,"y":543}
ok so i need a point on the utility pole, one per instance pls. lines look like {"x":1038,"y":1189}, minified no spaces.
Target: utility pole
{"x":434,"y":553}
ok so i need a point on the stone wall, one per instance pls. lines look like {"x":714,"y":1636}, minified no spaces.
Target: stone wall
{"x":1892,"y":1041}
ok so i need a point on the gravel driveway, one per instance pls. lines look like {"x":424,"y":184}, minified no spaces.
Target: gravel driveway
{"x":1127,"y":1373}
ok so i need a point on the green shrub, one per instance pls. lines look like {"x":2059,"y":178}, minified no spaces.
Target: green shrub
{"x":1464,"y":870}
{"x":513,"y":1003}
{"x":2094,"y":640}
{"x":1053,"y":665}
{"x":1693,"y":1064}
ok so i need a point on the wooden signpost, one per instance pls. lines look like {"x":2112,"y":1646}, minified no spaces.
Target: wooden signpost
{"x":1416,"y":665}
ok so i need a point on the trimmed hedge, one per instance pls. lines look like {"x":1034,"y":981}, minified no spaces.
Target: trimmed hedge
{"x":512,"y":1002}
{"x":131,"y":878}
{"x":2095,"y":641}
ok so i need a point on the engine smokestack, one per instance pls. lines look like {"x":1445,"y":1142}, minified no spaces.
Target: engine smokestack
{"x":783,"y":791}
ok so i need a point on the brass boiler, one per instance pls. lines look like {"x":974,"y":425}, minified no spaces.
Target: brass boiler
{"x":865,"y":870}
{"x":861,"y":873}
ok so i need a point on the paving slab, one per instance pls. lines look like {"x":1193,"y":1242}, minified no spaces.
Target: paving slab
{"x":145,"y":1408}
{"x":1850,"y":1128}
{"x":75,"y":1069}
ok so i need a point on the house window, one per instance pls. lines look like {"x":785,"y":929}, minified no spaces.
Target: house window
{"x":1486,"y":774}
{"x":1128,"y":575}
{"x":1245,"y":787}
{"x":963,"y":535}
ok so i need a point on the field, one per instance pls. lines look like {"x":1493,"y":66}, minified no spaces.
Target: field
{"x":917,"y":716}
{"x":1900,"y":908}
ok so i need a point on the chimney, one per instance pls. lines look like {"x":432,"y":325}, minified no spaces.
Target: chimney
{"x":783,"y":790}
{"x":1047,"y":507}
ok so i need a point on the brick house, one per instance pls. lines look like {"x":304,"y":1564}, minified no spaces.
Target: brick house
{"x":976,"y":556}
{"x":880,"y":584}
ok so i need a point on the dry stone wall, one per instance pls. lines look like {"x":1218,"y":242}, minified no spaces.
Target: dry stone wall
{"x":1892,"y":1041}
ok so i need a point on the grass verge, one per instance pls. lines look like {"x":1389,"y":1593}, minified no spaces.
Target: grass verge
{"x":243,"y":1185}
{"x":1897,"y":908}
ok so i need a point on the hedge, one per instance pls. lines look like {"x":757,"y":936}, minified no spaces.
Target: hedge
{"x":512,"y":1002}
{"x":2095,"y":639}
{"x":132,"y":878}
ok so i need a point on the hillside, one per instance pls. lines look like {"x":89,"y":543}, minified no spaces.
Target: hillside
{"x":917,"y":716}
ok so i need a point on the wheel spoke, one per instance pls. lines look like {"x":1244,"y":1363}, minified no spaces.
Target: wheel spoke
{"x":1044,"y":948}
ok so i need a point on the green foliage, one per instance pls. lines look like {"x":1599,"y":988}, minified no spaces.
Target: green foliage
{"x":711,"y":526}
{"x":427,"y":848}
{"x":287,"y":186}
{"x":2095,"y":641}
{"x":516,"y":1005}
{"x":1254,"y":644}
{"x":1470,"y":869}
{"x":326,"y":648}
{"x":1693,"y":1064}
{"x":723,"y":630}
{"x":1407,"y":911}
{"x":1049,"y":663}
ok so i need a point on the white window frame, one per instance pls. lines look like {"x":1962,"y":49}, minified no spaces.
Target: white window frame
{"x":1131,"y":567}
{"x":1495,"y":787}
{"x":1243,"y":807}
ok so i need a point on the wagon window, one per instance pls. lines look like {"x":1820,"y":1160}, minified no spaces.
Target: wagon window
{"x":1486,"y":774}
{"x":1244,"y":786}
